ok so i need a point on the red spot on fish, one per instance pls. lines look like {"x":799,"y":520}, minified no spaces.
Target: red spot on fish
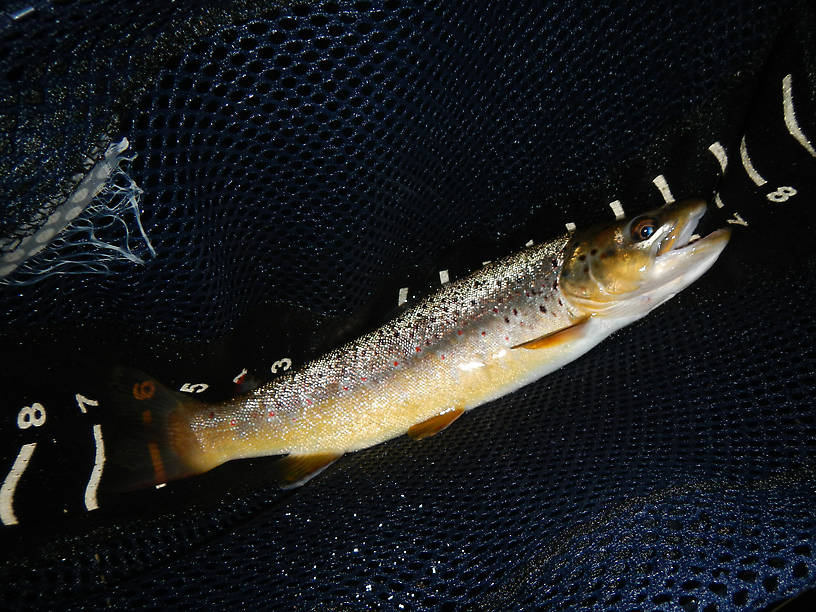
{"x":308,"y":401}
{"x":396,"y":363}
{"x":271,"y":413}
{"x":515,"y":312}
{"x":364,"y":379}
{"x":443,"y":356}
{"x":483,"y":333}
{"x":460,"y":332}
{"x":507,"y":337}
{"x":418,"y":349}
{"x":212,"y":415}
{"x":241,"y":379}
{"x":496,"y":310}
{"x":232,"y":422}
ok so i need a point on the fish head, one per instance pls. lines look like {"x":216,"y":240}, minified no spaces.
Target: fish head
{"x":629,"y":267}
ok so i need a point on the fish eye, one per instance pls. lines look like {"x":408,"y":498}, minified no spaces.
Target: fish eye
{"x":643,"y":229}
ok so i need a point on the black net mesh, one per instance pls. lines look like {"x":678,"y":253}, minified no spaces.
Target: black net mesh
{"x":295,"y":165}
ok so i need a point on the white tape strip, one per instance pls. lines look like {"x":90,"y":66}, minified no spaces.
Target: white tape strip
{"x":7,"y":515}
{"x":663,"y":187}
{"x":790,"y":116}
{"x":718,"y":152}
{"x":749,"y":166}
{"x":96,"y":473}
{"x":617,"y":208}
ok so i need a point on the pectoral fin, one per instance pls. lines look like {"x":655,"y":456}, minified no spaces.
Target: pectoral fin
{"x":573,"y":332}
{"x":294,"y":470}
{"x":435,"y":424}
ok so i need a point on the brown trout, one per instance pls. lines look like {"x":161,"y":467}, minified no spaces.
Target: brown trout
{"x":476,"y":339}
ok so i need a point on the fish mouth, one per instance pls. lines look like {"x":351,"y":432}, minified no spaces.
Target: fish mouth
{"x":682,"y":257}
{"x":682,"y":240}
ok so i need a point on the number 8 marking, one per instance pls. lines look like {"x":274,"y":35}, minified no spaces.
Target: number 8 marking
{"x":31,"y":416}
{"x":782,"y":194}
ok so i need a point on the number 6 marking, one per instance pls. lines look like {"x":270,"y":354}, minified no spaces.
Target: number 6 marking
{"x":284,"y":364}
{"x":31,"y":416}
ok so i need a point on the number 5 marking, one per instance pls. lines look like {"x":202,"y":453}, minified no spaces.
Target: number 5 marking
{"x":194,"y":387}
{"x":284,"y":364}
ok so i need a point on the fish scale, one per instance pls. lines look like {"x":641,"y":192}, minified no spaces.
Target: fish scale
{"x":377,"y":386}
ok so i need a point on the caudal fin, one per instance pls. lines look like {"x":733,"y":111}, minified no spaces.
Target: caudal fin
{"x":148,"y":439}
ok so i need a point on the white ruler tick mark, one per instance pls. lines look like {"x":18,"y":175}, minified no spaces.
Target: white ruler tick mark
{"x":7,"y":515}
{"x":718,"y":201}
{"x":790,"y":116}
{"x":749,"y":166}
{"x":718,"y":152}
{"x":96,"y":472}
{"x":663,"y":187}
{"x":617,"y":208}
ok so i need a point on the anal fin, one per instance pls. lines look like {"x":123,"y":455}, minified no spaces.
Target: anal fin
{"x":435,"y":424}
{"x":295,"y":470}
{"x":573,"y":332}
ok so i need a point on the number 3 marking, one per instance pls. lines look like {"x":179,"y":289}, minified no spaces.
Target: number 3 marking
{"x":31,"y":416}
{"x":284,"y":364}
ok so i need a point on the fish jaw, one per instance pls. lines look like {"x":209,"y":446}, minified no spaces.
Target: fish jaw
{"x":679,"y":267}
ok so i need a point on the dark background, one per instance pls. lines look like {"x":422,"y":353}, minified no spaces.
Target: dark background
{"x":302,"y":162}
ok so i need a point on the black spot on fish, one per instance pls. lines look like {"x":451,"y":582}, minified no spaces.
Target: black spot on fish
{"x":506,"y":319}
{"x":586,"y":269}
{"x":593,"y":252}
{"x":582,"y":257}
{"x":543,"y":308}
{"x":515,"y":312}
{"x":555,"y":284}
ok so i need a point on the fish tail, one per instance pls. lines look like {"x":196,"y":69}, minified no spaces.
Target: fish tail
{"x":148,"y":438}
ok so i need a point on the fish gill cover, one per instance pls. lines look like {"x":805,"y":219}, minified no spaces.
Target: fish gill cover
{"x":295,"y":167}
